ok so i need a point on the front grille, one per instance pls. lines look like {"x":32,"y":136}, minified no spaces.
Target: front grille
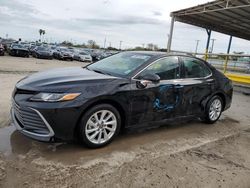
{"x":29,"y":120}
{"x":22,"y":91}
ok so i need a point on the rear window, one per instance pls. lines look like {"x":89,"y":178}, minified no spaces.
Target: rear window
{"x":195,"y":68}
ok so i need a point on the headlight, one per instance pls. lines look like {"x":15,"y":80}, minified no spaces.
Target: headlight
{"x":54,"y":97}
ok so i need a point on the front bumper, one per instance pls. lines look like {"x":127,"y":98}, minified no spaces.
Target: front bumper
{"x":46,"y":121}
{"x":19,"y":53}
{"x":63,"y":56}
{"x":27,"y":130}
{"x":85,"y":58}
{"x":45,"y":56}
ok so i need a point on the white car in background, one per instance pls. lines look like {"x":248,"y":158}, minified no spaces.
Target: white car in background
{"x":82,"y":56}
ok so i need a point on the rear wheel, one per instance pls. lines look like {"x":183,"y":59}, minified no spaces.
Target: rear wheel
{"x":99,"y":126}
{"x":213,"y":109}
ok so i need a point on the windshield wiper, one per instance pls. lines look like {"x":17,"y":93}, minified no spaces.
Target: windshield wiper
{"x":86,"y":68}
{"x":98,"y":71}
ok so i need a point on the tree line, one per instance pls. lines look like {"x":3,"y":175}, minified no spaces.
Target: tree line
{"x":93,"y":45}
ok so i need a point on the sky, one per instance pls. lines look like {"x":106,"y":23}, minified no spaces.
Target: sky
{"x":134,"y":22}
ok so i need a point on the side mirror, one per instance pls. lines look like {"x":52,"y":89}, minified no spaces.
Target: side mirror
{"x":151,"y":77}
{"x":146,"y":79}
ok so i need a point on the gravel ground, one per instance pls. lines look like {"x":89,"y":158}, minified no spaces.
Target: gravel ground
{"x":183,"y":154}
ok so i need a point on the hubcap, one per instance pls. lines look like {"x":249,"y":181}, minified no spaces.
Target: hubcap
{"x":101,"y":126}
{"x":215,"y":109}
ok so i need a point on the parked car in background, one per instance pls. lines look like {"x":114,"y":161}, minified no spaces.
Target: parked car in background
{"x":42,"y":53}
{"x":245,"y":62}
{"x":104,"y":55}
{"x":101,"y":54}
{"x":26,"y":45}
{"x":1,"y":50}
{"x":32,"y":48}
{"x":7,"y":43}
{"x":63,"y":53}
{"x":95,"y":54}
{"x":82,"y":56}
{"x":53,"y":48}
{"x":18,"y":50}
{"x":127,"y":90}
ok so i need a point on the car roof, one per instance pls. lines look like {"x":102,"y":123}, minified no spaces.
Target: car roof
{"x":148,"y":52}
{"x":157,"y":54}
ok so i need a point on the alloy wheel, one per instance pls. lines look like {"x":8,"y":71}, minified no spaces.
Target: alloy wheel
{"x":215,"y":109}
{"x":101,"y":126}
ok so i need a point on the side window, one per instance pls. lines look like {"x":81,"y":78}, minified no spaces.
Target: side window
{"x":167,"y":68}
{"x":194,"y":68}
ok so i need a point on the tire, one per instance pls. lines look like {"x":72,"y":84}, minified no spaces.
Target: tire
{"x":92,"y":133}
{"x":213,"y":109}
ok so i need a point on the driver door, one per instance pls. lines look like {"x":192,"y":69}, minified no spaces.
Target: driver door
{"x":156,"y":101}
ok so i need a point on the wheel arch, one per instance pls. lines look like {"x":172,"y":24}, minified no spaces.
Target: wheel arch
{"x":223,"y":97}
{"x":220,"y":94}
{"x":112,"y":102}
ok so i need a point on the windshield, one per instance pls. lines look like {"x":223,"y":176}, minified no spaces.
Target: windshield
{"x":42,"y":49}
{"x":120,"y":64}
{"x":63,"y":49}
{"x":83,"y":53}
{"x":17,"y":46}
{"x":71,"y":50}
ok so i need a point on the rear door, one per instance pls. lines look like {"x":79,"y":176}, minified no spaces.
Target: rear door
{"x":198,"y":79}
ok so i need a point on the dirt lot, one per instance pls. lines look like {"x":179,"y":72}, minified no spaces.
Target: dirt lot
{"x":184,"y":154}
{"x":13,"y":69}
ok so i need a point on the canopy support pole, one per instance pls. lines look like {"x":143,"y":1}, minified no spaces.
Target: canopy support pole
{"x":209,"y":31}
{"x":170,"y":34}
{"x":228,"y":51}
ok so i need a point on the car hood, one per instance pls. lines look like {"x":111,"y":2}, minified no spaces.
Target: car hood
{"x":62,"y":79}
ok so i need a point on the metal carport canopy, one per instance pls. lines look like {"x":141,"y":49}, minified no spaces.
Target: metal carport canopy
{"x":230,"y":17}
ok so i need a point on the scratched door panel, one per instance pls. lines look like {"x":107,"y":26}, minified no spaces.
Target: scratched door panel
{"x":141,"y":102}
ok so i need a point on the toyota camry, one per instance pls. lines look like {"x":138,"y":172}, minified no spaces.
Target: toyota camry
{"x":126,"y":90}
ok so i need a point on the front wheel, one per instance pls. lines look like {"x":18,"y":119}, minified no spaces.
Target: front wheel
{"x":213,"y":109}
{"x":99,"y":126}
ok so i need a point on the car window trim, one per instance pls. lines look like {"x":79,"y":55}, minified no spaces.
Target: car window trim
{"x":179,"y":63}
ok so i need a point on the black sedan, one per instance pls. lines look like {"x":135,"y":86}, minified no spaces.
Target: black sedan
{"x":126,"y":90}
{"x":18,"y":50}
{"x":42,"y":53}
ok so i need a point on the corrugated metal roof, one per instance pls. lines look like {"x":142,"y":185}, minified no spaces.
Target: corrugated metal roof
{"x":230,"y":17}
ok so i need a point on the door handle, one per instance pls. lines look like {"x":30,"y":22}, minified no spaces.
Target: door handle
{"x":210,"y":82}
{"x":177,"y":86}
